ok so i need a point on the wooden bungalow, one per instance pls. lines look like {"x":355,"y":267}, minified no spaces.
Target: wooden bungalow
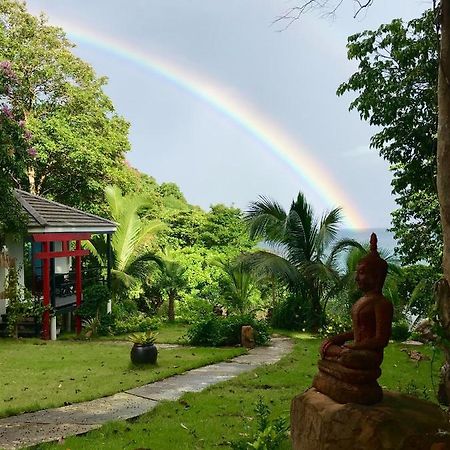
{"x":55,"y":255}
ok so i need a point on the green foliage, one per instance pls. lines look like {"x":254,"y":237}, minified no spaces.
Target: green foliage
{"x":221,"y":228}
{"x":237,"y":285}
{"x":400,"y":330}
{"x":270,"y":434}
{"x":411,"y":388}
{"x":297,"y":255}
{"x":184,"y":227}
{"x":396,"y":86}
{"x":95,"y":298}
{"x":91,"y":327}
{"x":20,"y":303}
{"x":417,"y":286}
{"x":171,"y":279}
{"x":76,"y":140}
{"x":143,"y":338}
{"x":13,"y":151}
{"x":291,"y":313}
{"x":215,"y":331}
{"x":131,"y":243}
{"x":193,"y":307}
{"x":206,"y":331}
{"x":336,"y":325}
{"x":135,"y":323}
{"x":225,"y":227}
{"x":171,"y":190}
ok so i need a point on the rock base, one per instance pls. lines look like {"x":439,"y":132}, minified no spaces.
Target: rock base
{"x":398,"y":422}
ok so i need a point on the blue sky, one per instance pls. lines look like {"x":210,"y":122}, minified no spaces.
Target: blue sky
{"x":289,"y":77}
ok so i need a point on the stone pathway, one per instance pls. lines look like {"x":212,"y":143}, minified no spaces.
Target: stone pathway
{"x":53,"y":424}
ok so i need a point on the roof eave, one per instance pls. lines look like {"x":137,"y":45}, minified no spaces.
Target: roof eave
{"x":68,"y":229}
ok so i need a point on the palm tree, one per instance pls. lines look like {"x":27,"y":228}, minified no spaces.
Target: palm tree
{"x":131,"y":243}
{"x":171,"y":279}
{"x":239,"y":283}
{"x":295,"y":250}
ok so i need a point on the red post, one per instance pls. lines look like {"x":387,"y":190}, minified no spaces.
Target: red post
{"x":46,"y":293}
{"x":78,"y":286}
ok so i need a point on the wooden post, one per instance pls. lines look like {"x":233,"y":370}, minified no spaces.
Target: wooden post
{"x":79,"y":286}
{"x":46,"y":292}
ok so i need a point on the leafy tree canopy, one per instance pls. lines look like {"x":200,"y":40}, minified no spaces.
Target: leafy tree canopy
{"x":396,"y":86}
{"x":78,"y":141}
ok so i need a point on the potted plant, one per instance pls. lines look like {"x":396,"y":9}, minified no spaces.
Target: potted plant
{"x":144,"y":350}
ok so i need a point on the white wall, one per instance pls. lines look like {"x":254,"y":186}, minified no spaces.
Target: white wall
{"x":62,"y":265}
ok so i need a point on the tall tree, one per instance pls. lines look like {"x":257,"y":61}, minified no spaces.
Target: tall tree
{"x":171,"y":279}
{"x":396,"y":86}
{"x":298,"y":250}
{"x":78,"y":139}
{"x":14,"y":151}
{"x":442,"y":9}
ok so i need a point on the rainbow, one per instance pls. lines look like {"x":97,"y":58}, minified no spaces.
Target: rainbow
{"x":233,"y":106}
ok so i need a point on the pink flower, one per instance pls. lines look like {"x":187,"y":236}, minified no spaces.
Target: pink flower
{"x":6,"y":68}
{"x":32,"y":152}
{"x":21,"y":123}
{"x":27,"y":135}
{"x":6,"y":110}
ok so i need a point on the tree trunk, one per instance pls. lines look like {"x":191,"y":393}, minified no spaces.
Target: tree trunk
{"x":171,"y":312}
{"x":443,"y":180}
{"x":32,"y":180}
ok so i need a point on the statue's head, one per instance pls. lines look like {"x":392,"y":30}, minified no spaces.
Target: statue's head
{"x":372,"y":269}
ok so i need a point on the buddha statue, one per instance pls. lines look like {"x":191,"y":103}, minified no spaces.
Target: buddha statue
{"x":350,"y":362}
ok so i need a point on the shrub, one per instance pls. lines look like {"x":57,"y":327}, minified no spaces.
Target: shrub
{"x":206,"y":331}
{"x":270,"y":434}
{"x":135,"y":323}
{"x":291,"y":314}
{"x":400,"y":330}
{"x":336,"y":325}
{"x":95,"y":298}
{"x":192,"y":308}
{"x":215,"y":331}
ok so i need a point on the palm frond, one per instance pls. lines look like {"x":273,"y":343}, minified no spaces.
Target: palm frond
{"x":265,"y":219}
{"x":97,"y":247}
{"x":113,"y":195}
{"x":139,"y":267}
{"x":265,"y":263}
{"x":125,"y":239}
{"x":344,"y":245}
{"x":328,"y":229}
{"x":147,"y":233}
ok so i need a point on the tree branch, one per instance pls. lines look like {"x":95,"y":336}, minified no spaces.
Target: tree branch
{"x":293,"y":14}
{"x":361,"y":6}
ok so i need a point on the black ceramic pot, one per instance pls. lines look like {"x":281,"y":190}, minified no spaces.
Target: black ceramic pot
{"x":144,"y":354}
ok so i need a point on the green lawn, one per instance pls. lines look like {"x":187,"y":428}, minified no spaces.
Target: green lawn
{"x":168,"y":333}
{"x":37,"y":374}
{"x":225,"y":412}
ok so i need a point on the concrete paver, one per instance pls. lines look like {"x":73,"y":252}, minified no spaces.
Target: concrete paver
{"x":56,"y":423}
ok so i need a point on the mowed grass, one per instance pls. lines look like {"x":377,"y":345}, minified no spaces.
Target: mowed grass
{"x":168,"y":333}
{"x":225,"y":412}
{"x":37,"y":374}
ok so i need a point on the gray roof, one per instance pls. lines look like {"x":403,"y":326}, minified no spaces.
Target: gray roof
{"x":46,"y":216}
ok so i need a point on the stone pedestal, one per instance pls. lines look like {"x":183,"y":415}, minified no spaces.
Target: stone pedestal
{"x":398,"y":422}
